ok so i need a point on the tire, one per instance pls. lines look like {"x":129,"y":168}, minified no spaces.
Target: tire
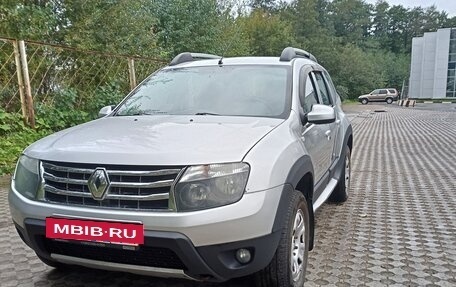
{"x":364,"y":101}
{"x":389,"y":101}
{"x":52,"y":263}
{"x":340,"y":192}
{"x":279,"y":272}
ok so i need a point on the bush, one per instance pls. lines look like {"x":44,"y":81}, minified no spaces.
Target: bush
{"x":12,"y":146}
{"x":14,"y":137}
{"x":104,"y":95}
{"x":342,"y":91}
{"x":63,"y":111}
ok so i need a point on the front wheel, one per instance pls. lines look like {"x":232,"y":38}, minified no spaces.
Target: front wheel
{"x":288,"y":267}
{"x":364,"y":101}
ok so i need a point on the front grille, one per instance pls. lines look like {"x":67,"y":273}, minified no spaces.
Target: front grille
{"x":143,"y":256}
{"x":132,"y":187}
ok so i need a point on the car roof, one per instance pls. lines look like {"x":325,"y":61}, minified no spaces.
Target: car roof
{"x":288,"y":57}
{"x":242,"y":61}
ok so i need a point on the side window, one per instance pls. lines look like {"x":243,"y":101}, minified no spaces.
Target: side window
{"x":330,"y":83}
{"x":383,"y":92}
{"x":323,"y":89}
{"x":308,"y":97}
{"x":375,"y":92}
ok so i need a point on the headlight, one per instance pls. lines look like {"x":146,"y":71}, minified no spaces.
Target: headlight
{"x":26,"y":178}
{"x":213,"y":185}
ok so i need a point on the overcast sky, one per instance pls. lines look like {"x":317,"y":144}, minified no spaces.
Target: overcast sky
{"x":447,"y":5}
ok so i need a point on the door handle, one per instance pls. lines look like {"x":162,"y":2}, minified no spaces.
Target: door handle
{"x":328,"y":134}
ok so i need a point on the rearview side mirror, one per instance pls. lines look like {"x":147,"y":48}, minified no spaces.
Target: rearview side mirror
{"x":104,"y":111}
{"x":321,"y":114}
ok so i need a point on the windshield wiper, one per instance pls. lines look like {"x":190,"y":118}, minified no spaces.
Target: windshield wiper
{"x":144,"y":113}
{"x":207,"y":114}
{"x":133,"y":114}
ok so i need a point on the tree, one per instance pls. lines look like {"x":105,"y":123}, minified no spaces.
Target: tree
{"x":186,"y":25}
{"x":265,"y":5}
{"x":381,"y":23}
{"x":398,"y":32}
{"x":450,"y":22}
{"x":267,"y":34}
{"x":34,"y":20}
{"x":355,"y":70}
{"x":231,"y":39}
{"x":351,"y":19}
{"x":304,"y":16}
{"x":362,"y":45}
{"x":118,"y":26}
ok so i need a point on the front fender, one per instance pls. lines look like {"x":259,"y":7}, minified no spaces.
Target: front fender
{"x":300,"y":167}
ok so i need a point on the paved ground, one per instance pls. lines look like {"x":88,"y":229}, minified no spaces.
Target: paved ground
{"x":397,"y":228}
{"x":450,"y":107}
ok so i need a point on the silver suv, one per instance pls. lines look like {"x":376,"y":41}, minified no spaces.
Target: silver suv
{"x":211,"y":169}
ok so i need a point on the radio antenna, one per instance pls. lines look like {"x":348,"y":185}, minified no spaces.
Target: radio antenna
{"x":230,"y":43}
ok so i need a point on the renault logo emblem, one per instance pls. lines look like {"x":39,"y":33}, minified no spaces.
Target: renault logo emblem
{"x":99,"y":183}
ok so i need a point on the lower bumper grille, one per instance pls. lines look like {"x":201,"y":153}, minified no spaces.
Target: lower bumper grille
{"x":144,"y":256}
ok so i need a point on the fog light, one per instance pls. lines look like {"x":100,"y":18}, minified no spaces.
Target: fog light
{"x":243,"y":256}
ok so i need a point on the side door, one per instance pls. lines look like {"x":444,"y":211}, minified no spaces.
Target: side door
{"x":382,"y":95}
{"x":336,"y":101}
{"x":329,"y":130}
{"x":373,"y":95}
{"x":311,"y":135}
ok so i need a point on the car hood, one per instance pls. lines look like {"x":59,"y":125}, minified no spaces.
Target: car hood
{"x":155,"y":140}
{"x":363,"y":96}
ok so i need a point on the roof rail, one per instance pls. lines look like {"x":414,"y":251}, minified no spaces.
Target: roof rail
{"x":289,"y":53}
{"x":190,"y":57}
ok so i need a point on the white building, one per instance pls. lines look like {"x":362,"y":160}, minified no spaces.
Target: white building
{"x":433,"y":65}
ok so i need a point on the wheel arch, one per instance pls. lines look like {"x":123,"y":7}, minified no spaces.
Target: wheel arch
{"x":349,"y":141}
{"x":300,"y":178}
{"x":336,"y":171}
{"x":306,"y":187}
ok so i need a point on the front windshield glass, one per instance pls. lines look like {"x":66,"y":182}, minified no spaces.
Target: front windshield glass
{"x":221,"y":90}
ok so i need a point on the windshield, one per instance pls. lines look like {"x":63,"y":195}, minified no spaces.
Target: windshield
{"x":262,"y":91}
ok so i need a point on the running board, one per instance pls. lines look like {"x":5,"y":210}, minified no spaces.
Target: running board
{"x":325,"y":194}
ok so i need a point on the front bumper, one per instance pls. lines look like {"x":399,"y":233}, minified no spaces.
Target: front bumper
{"x":199,"y":245}
{"x":252,"y":216}
{"x":164,"y":254}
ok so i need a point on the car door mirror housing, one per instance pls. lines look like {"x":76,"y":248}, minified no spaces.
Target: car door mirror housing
{"x":104,"y":111}
{"x":321,"y":114}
